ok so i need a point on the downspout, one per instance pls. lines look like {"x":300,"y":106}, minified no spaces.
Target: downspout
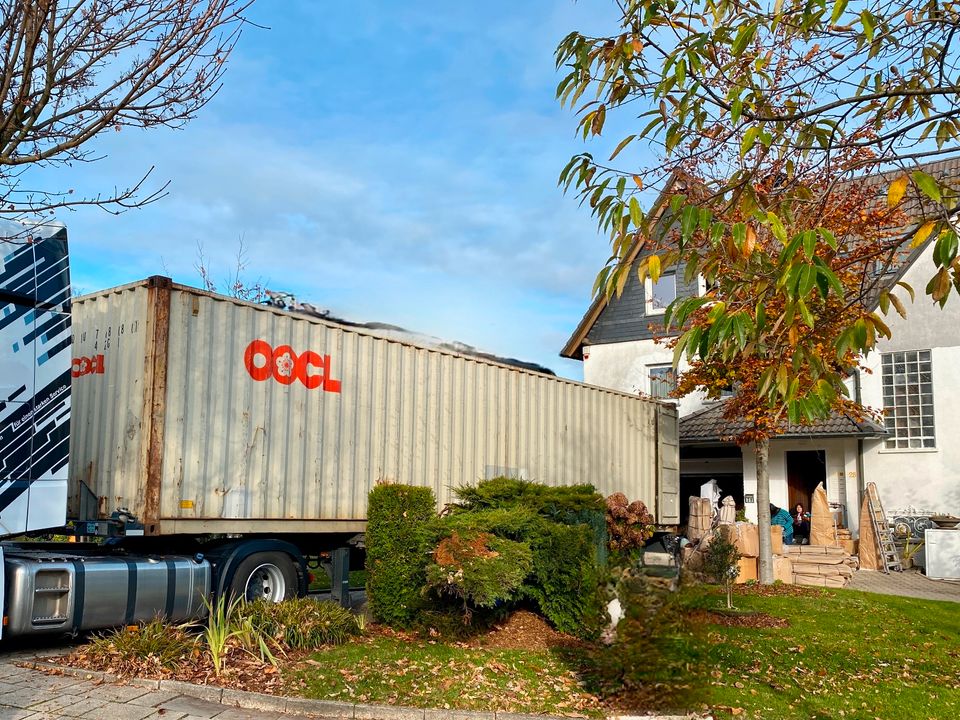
{"x":861,"y":482}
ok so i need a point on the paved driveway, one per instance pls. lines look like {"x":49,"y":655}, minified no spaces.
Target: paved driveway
{"x":33,"y":695}
{"x":909,"y":583}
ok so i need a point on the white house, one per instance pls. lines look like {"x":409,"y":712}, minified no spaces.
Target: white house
{"x":913,"y":378}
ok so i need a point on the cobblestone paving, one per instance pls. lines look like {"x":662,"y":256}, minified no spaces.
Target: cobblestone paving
{"x":909,"y":583}
{"x":33,"y":695}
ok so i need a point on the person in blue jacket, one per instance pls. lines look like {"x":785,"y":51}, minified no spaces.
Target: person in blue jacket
{"x":779,"y":516}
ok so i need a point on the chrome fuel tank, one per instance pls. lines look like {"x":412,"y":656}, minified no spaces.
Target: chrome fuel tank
{"x":48,"y":592}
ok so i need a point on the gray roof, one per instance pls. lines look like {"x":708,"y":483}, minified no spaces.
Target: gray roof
{"x":710,"y":426}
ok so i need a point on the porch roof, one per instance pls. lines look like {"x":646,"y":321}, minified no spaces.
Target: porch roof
{"x":709,"y":426}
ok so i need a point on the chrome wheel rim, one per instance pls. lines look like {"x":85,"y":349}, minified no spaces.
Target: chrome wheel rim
{"x":265,"y":583}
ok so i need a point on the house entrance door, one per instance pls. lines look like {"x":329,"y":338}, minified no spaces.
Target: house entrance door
{"x":805,"y":470}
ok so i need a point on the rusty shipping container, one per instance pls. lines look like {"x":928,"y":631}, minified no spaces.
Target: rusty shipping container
{"x":199,"y":413}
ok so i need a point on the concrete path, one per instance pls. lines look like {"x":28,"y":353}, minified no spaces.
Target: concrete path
{"x":909,"y":583}
{"x":27,"y":694}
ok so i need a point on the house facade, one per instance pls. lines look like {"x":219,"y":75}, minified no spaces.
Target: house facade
{"x":913,"y":456}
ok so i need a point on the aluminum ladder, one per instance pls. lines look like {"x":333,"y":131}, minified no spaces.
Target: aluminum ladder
{"x":881,"y":530}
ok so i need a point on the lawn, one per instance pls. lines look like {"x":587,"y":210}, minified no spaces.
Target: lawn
{"x":845,"y":654}
{"x":826,"y":654}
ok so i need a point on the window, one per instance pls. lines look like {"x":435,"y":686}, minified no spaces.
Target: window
{"x":660,"y":294}
{"x":663,"y":380}
{"x":908,"y":400}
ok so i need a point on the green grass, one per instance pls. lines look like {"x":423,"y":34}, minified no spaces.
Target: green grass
{"x":433,"y":674}
{"x":321,"y":581}
{"x":846,"y":654}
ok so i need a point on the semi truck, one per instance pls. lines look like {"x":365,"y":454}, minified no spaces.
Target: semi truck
{"x":193,"y":445}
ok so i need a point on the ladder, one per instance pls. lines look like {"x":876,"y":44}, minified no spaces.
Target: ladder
{"x":881,"y":530}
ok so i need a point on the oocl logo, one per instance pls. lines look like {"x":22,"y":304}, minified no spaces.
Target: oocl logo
{"x":81,"y":366}
{"x":286,"y":367}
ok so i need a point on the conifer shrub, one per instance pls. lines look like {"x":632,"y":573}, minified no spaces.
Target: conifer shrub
{"x":398,"y":550}
{"x":479,"y":569}
{"x":565,"y":530}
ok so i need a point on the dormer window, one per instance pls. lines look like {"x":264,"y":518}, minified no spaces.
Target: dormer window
{"x":660,"y":294}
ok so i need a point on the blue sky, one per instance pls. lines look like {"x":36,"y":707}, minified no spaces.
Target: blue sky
{"x":389,"y":161}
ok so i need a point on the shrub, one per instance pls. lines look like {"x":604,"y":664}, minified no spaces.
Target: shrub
{"x":302,"y":623}
{"x":155,"y":643}
{"x":549,"y":501}
{"x":629,"y":524}
{"x":566,"y":581}
{"x":398,"y":547}
{"x":720,"y":562}
{"x":480,"y":569}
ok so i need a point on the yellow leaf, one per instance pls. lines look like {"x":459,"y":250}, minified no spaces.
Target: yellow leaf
{"x":639,"y":181}
{"x":923,"y":233}
{"x":896,"y":190}
{"x":750,"y":241}
{"x":653,"y":267}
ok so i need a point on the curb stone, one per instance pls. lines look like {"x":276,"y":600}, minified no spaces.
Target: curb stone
{"x":304,"y":706}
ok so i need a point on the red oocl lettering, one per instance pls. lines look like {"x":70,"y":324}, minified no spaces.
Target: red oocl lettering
{"x":285,"y":366}
{"x":81,"y":366}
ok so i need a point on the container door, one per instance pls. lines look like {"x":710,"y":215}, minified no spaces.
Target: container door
{"x":668,"y":465}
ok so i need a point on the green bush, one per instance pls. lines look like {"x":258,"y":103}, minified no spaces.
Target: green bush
{"x":154,"y":643}
{"x":565,"y":528}
{"x":566,"y":580}
{"x":479,"y":569}
{"x":398,"y":550}
{"x":549,"y":501}
{"x":300,"y":624}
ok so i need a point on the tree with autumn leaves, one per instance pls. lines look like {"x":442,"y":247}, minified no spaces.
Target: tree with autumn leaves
{"x":790,"y":308}
{"x":797,"y":129}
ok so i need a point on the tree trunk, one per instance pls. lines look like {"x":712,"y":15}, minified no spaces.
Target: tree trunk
{"x":763,"y":511}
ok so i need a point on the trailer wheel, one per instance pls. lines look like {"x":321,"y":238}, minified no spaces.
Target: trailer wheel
{"x":266,"y":576}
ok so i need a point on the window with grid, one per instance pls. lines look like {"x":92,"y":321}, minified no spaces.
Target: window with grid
{"x":663,"y":380}
{"x":908,"y":400}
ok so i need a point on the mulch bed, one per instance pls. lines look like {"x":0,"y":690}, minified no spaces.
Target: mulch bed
{"x":733,"y":619}
{"x":523,"y":630}
{"x":241,"y":672}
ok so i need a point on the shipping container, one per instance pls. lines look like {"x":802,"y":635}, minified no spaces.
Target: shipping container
{"x":199,"y":413}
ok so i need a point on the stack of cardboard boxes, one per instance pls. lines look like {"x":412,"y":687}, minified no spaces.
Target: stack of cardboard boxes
{"x":821,"y":565}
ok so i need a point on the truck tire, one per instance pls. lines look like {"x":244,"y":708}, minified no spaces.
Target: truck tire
{"x":267,"y":576}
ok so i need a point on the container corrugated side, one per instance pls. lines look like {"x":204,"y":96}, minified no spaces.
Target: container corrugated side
{"x":240,"y":454}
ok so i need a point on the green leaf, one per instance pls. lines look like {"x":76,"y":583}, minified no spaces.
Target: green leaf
{"x":838,"y":7}
{"x":736,"y":109}
{"x":805,"y":313}
{"x":776,"y":227}
{"x":623,"y":143}
{"x":809,"y":243}
{"x":927,"y":185}
{"x":749,"y":139}
{"x":869,"y":24}
{"x":828,"y":237}
{"x":636,"y":214}
{"x":743,"y":38}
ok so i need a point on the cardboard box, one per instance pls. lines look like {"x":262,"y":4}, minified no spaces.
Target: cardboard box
{"x":748,"y":570}
{"x":776,"y":539}
{"x":748,"y":539}
{"x":783,"y":569}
